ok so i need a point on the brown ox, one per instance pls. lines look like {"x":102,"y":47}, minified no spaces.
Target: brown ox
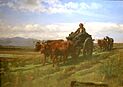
{"x":37,"y":46}
{"x":110,"y":42}
{"x":59,"y":49}
{"x":102,"y":44}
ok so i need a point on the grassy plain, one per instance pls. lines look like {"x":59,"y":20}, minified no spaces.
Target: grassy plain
{"x":21,"y":67}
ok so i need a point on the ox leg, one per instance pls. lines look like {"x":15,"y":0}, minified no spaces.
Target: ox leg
{"x":65,"y":58}
{"x":58,"y":59}
{"x":51,"y":57}
{"x":54,"y":58}
{"x":43,"y":59}
{"x":102,"y":48}
{"x":111,"y":46}
{"x":107,"y":48}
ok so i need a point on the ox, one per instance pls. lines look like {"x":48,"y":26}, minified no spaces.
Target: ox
{"x":110,"y":42}
{"x":59,"y":49}
{"x":102,"y":44}
{"x":37,"y":46}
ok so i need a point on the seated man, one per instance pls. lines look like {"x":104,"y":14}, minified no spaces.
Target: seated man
{"x":80,"y":36}
{"x":77,"y":33}
{"x":81,"y":30}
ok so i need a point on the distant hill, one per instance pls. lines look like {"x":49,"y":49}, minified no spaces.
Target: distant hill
{"x":17,"y":41}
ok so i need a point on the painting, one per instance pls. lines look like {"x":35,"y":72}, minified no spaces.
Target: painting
{"x":61,"y":43}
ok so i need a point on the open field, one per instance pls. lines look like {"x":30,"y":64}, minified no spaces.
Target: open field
{"x":21,"y":67}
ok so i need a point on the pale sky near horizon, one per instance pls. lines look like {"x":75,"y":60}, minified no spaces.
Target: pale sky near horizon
{"x":55,"y":19}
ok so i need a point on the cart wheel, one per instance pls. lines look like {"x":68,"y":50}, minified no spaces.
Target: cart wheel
{"x":88,"y":47}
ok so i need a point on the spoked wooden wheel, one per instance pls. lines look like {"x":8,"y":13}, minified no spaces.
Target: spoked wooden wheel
{"x":88,"y":47}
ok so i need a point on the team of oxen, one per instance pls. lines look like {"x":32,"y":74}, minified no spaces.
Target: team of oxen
{"x":106,"y":43}
{"x":59,"y":50}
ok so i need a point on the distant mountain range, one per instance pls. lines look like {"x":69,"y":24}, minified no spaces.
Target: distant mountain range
{"x":17,"y":41}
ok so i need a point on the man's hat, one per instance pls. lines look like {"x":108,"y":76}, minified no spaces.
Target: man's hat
{"x":81,"y":24}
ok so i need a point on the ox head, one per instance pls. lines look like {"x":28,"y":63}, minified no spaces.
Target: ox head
{"x":37,"y":46}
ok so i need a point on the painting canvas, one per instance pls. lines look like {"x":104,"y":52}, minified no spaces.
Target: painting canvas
{"x":61,"y":43}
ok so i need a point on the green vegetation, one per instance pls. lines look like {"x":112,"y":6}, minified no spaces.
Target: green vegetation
{"x":112,"y":69}
{"x":23,"y":68}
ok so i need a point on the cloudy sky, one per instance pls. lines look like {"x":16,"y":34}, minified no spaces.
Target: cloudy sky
{"x":55,"y":19}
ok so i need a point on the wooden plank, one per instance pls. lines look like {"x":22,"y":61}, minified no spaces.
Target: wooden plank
{"x":88,"y":84}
